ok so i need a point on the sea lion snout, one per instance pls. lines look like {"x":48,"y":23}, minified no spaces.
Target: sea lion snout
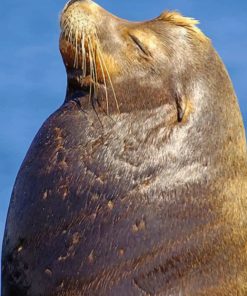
{"x":84,"y":4}
{"x":84,"y":12}
{"x":78,"y":15}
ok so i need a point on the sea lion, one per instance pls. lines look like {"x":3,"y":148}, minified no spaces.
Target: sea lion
{"x":137,"y":185}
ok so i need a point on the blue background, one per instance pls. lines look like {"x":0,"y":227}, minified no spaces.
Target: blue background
{"x":32,"y":75}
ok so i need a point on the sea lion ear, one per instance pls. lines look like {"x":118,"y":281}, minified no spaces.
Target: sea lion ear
{"x":188,"y":23}
{"x":178,"y":19}
{"x":181,"y":102}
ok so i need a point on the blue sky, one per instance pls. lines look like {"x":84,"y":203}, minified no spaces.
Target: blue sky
{"x":32,"y":75}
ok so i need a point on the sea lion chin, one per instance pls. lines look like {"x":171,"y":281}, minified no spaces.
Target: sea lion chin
{"x":137,"y":184}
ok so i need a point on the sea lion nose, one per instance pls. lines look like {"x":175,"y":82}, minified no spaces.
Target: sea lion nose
{"x":79,"y":1}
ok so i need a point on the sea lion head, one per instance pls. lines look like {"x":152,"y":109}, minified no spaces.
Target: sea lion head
{"x":125,"y":65}
{"x":165,"y":64}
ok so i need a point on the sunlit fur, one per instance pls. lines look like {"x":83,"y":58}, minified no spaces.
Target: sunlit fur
{"x":137,"y":185}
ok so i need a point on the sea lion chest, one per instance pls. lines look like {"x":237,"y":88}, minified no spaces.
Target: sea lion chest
{"x":91,"y":203}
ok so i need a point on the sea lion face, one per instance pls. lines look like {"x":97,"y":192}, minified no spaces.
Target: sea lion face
{"x":125,"y":65}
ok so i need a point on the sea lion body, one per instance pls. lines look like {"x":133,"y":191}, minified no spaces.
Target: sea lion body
{"x":141,"y":190}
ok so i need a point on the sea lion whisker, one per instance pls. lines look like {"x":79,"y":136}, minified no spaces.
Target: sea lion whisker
{"x":66,"y":33}
{"x":70,"y":35}
{"x":91,"y":73}
{"x":103,"y":75}
{"x":67,"y":30}
{"x":84,"y":64}
{"x":110,"y":81}
{"x":76,"y":50}
{"x":94,"y":66}
{"x":92,"y":70}
{"x":105,"y":86}
{"x":65,"y":26}
{"x":73,"y":37}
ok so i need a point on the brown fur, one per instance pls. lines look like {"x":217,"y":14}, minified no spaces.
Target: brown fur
{"x":137,"y":185}
{"x":179,"y":20}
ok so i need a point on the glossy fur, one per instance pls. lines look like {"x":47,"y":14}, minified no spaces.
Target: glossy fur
{"x":150,"y":199}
